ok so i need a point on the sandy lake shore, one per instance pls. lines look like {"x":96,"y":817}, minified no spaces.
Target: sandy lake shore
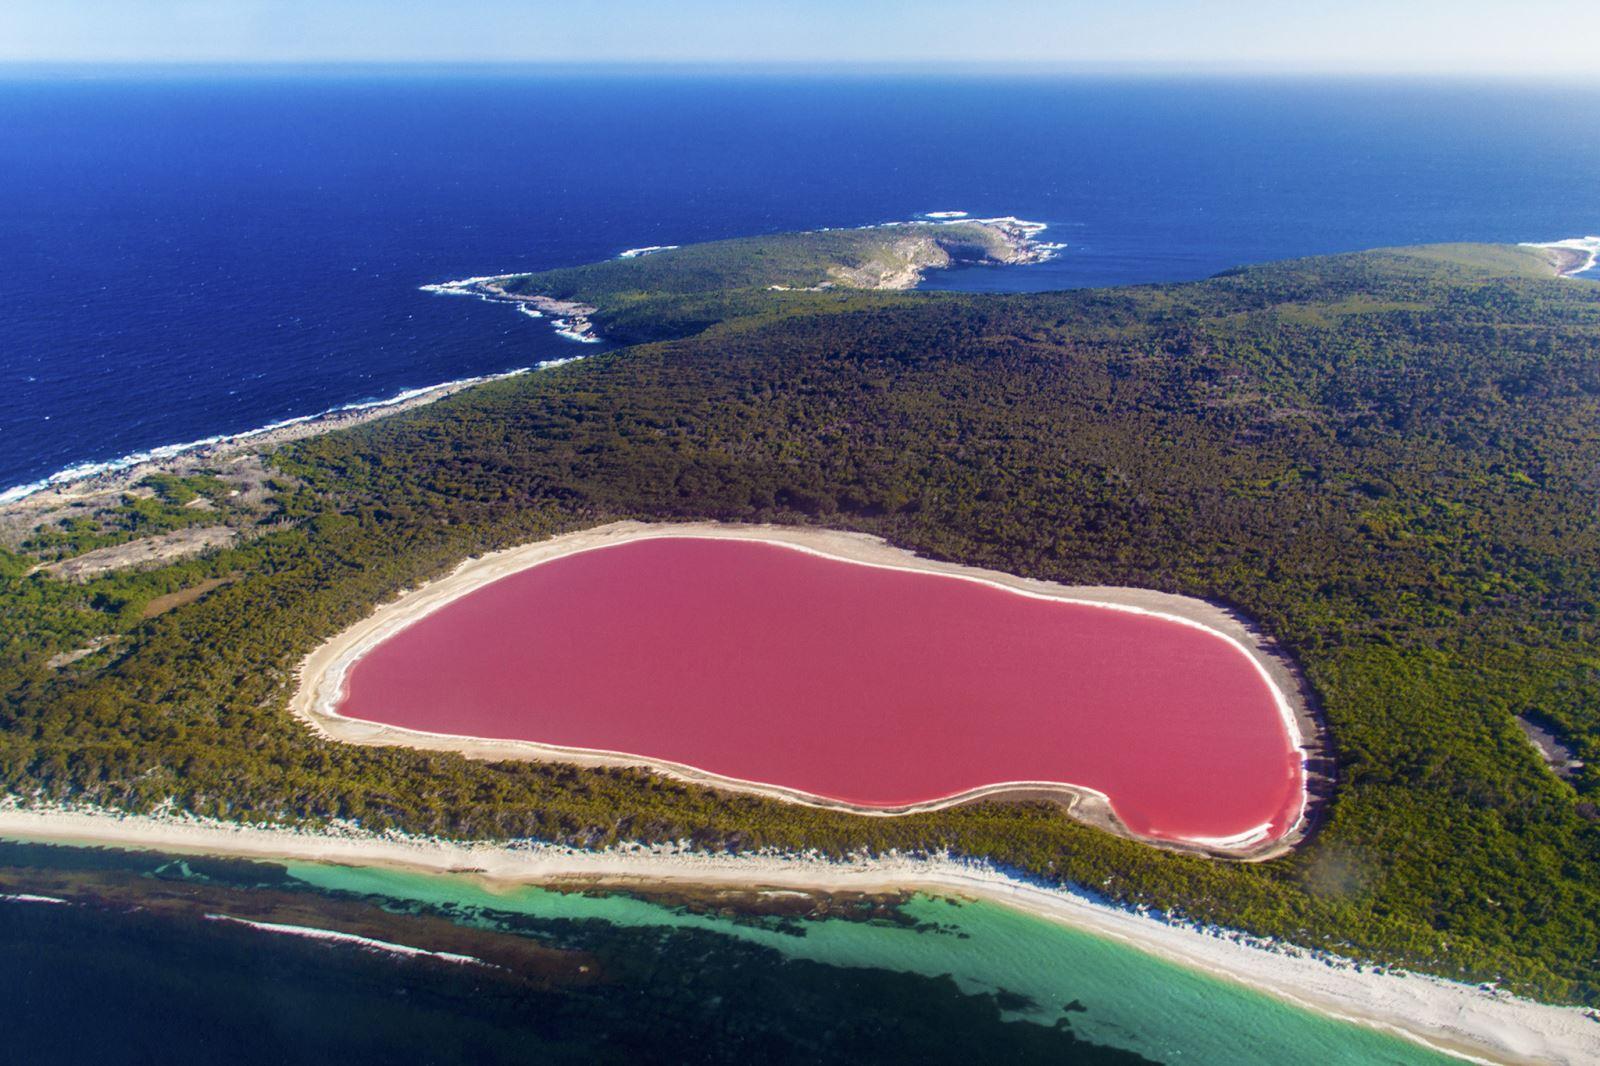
{"x":1470,"y":1022}
{"x":322,"y":674}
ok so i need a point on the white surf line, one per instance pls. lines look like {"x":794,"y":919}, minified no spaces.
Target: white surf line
{"x":563,"y":327}
{"x":1029,"y":229}
{"x":649,"y":249}
{"x":1590,"y":246}
{"x":1462,"y":1020}
{"x":369,"y":943}
{"x":1044,"y":250}
{"x":83,"y":471}
{"x":24,"y":897}
{"x":322,"y":690}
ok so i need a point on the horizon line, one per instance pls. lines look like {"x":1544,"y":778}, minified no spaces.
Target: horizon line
{"x":779,"y":68}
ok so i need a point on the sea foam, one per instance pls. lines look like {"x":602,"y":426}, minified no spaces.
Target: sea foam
{"x":634,"y":253}
{"x":1590,"y":246}
{"x":369,"y":943}
{"x":563,"y":327}
{"x":24,"y":897}
{"x":81,"y":471}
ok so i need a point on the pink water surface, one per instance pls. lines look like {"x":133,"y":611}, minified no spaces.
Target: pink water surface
{"x":855,"y":683}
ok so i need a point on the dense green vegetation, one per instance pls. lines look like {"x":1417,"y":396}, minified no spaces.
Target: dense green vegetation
{"x":681,"y":291}
{"x":1392,"y":460}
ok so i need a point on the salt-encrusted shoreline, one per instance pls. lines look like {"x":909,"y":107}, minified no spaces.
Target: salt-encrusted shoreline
{"x":1474,"y":1023}
{"x":322,"y":675}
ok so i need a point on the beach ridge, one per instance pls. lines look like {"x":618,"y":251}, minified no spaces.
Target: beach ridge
{"x":1473,"y":1023}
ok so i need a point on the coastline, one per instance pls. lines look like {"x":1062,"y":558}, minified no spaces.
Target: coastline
{"x":1466,"y":1021}
{"x":321,"y":674}
{"x":1018,"y":237}
{"x":118,"y":475}
{"x":1569,"y":257}
{"x":575,"y":320}
{"x":1572,"y":256}
{"x":569,"y":318}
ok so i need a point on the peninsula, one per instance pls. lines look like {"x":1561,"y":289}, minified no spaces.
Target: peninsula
{"x":673,"y":290}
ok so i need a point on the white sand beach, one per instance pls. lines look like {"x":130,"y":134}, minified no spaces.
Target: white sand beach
{"x":1473,"y":1023}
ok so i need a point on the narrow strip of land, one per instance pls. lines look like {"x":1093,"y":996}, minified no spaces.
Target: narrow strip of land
{"x":1473,"y":1023}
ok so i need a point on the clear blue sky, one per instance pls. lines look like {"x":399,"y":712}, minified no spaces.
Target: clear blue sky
{"x":1557,"y":37}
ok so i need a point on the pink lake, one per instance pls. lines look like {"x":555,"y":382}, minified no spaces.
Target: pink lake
{"x":861,"y":684}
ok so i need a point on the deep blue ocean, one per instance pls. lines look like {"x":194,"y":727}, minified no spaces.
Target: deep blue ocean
{"x":187,"y":255}
{"x":135,"y":957}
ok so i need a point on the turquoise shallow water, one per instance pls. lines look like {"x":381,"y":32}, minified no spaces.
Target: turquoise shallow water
{"x":1131,"y":1000}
